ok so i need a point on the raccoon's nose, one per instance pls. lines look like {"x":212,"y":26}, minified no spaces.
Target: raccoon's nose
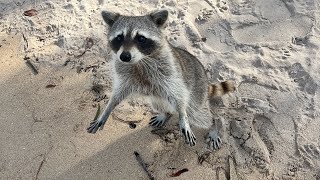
{"x":125,"y":56}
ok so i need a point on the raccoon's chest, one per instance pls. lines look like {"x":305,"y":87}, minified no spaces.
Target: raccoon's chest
{"x":146,"y":80}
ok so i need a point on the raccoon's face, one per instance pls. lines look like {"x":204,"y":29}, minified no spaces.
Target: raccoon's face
{"x":133,"y":38}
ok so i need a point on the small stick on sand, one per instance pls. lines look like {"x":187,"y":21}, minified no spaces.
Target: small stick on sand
{"x":144,"y":166}
{"x":31,"y":66}
{"x":40,"y":166}
{"x":178,"y":173}
{"x":132,"y":124}
{"x":97,"y":113}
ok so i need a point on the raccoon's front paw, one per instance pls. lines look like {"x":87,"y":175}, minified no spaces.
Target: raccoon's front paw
{"x":214,"y":140}
{"x":159,"y":120}
{"x":95,"y":125}
{"x":190,"y":138}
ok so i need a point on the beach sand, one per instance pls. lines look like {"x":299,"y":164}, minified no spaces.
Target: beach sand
{"x":55,"y":73}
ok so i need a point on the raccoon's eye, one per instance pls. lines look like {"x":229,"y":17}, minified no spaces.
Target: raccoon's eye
{"x":119,"y":38}
{"x":117,"y":42}
{"x":141,"y":39}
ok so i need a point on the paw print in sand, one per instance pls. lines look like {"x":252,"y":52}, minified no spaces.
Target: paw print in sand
{"x":285,"y":53}
{"x":222,"y":5}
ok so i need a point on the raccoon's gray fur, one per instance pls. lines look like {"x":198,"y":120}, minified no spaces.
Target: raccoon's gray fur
{"x":145,"y":63}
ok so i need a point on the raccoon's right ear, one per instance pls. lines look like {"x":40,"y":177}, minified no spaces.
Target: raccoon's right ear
{"x":159,"y":17}
{"x":109,"y":17}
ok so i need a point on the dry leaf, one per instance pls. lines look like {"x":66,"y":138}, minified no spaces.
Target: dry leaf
{"x":31,"y":12}
{"x":51,"y":86}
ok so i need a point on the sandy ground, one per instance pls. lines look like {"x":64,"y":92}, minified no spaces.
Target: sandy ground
{"x":272,"y":124}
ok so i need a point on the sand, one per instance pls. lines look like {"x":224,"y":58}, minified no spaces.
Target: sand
{"x":271,"y":124}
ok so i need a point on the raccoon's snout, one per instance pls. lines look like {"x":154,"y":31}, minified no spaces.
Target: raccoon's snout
{"x":125,"y":56}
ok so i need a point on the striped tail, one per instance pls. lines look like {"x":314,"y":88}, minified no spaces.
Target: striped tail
{"x":221,"y":88}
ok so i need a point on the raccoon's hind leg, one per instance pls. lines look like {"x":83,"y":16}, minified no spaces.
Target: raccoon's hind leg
{"x":213,"y":138}
{"x":164,"y":110}
{"x":159,"y":119}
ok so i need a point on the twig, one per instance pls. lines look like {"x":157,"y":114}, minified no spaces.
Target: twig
{"x":178,"y":173}
{"x":97,"y":114}
{"x":31,"y":66}
{"x":77,"y":56}
{"x":26,"y":41}
{"x":144,"y":166}
{"x":40,"y":166}
{"x":203,"y":157}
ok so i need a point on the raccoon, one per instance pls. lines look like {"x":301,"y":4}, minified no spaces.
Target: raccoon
{"x":145,"y":63}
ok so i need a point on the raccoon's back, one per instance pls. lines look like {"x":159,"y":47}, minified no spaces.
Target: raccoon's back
{"x":193,"y":73}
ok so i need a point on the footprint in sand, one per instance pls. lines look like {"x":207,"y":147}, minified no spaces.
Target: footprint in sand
{"x":222,"y":5}
{"x":249,"y":139}
{"x":264,"y":126}
{"x":302,"y":78}
{"x":285,"y":53}
{"x":204,"y":15}
{"x":242,"y":7}
{"x":257,"y":105}
{"x":309,"y":151}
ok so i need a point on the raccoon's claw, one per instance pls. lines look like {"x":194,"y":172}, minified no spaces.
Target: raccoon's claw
{"x":159,"y":120}
{"x":214,"y":140}
{"x":156,"y":122}
{"x":94,"y":126}
{"x":189,"y":137}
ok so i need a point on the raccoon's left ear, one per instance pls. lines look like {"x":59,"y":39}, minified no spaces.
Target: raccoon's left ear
{"x":159,"y":17}
{"x":109,"y":17}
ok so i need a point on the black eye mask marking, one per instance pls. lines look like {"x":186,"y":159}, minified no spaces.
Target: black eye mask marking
{"x":145,"y":45}
{"x":117,"y":42}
